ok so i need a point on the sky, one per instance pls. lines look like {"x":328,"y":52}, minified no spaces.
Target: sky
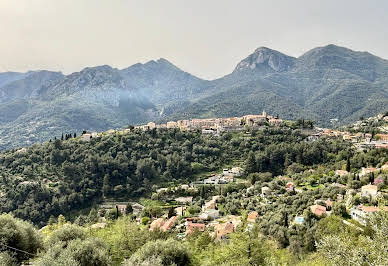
{"x":204,"y":37}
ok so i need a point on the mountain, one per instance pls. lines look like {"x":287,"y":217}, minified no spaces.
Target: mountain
{"x":324,"y":83}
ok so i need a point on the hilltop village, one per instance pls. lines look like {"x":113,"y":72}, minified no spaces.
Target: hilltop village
{"x":188,"y":208}
{"x":218,"y":125}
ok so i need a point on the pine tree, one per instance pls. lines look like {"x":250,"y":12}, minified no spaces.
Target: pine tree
{"x":171,"y":212}
{"x":348,"y":164}
{"x":251,"y":164}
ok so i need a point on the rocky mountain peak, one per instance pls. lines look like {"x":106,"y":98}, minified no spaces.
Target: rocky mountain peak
{"x":269,"y":59}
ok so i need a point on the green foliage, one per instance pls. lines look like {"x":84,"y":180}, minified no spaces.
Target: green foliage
{"x":20,"y":235}
{"x":124,"y":238}
{"x":344,"y":249}
{"x":65,"y":234}
{"x":78,"y":252}
{"x":166,"y":252}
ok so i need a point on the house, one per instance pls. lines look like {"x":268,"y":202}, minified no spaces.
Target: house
{"x":172,"y":124}
{"x":237,"y":171}
{"x":252,"y":216}
{"x":290,"y":187}
{"x":365,"y":171}
{"x":180,"y":210}
{"x":86,"y":137}
{"x":265,"y":191}
{"x":185,"y":187}
{"x":340,"y":197}
{"x":341,"y":172}
{"x":329,"y":204}
{"x":192,"y":227}
{"x":210,"y":205}
{"x":381,"y":145}
{"x":382,"y":137}
{"x":362,"y":213}
{"x":224,"y":229}
{"x":137,"y":208}
{"x":157,"y":224}
{"x":209,"y":131}
{"x":369,"y":191}
{"x":184,"y":200}
{"x":169,"y":224}
{"x":275,"y":122}
{"x":151,"y":125}
{"x":215,"y":179}
{"x":122,"y":208}
{"x":318,"y":210}
{"x":163,"y":189}
{"x":210,"y":214}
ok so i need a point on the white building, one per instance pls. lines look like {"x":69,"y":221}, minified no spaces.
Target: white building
{"x":210,"y":214}
{"x":369,"y":191}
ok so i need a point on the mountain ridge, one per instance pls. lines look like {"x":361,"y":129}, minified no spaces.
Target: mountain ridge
{"x":324,"y":83}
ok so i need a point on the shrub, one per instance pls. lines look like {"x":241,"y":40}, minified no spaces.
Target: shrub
{"x":20,"y":235}
{"x":165,"y":252}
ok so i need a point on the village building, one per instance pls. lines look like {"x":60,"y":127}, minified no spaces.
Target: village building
{"x":329,"y":204}
{"x":160,"y":190}
{"x":192,"y":227}
{"x":369,"y":191}
{"x":362,"y":213}
{"x":86,"y":137}
{"x":172,"y":124}
{"x":224,"y":229}
{"x":318,"y":210}
{"x":157,"y":224}
{"x":365,"y":171}
{"x":137,"y":208}
{"x":290,"y":187}
{"x":341,"y":172}
{"x":151,"y":125}
{"x":382,"y":137}
{"x":210,"y":214}
{"x":252,"y":217}
{"x":265,"y":191}
{"x":180,"y":210}
{"x":275,"y":122}
{"x":184,"y":200}
{"x":169,"y":224}
{"x":210,"y":205}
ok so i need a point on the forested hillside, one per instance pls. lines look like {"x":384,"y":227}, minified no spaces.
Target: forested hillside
{"x":61,"y":176}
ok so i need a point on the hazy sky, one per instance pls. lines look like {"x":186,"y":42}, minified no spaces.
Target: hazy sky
{"x":204,"y":37}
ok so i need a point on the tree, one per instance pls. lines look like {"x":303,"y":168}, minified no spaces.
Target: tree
{"x":129,"y":209}
{"x":348,"y":164}
{"x":251,"y":164}
{"x":342,"y":248}
{"x":89,"y":252}
{"x":20,"y":235}
{"x":165,"y":252}
{"x":171,"y":212}
{"x":93,"y":215}
{"x":65,"y":234}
